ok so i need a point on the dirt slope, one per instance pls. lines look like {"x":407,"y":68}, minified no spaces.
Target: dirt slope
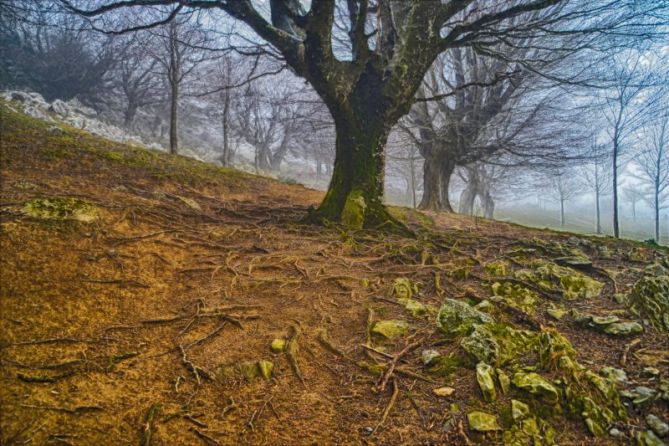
{"x":139,"y":291}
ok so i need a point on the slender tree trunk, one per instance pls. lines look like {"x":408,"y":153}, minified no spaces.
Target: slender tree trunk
{"x":599,"y":221}
{"x":226,"y":157}
{"x":488,"y":205}
{"x":561,"y":211}
{"x":616,"y":228}
{"x":412,"y":165}
{"x":174,"y":95}
{"x":657,"y":209}
{"x":467,"y":198}
{"x":319,"y":168}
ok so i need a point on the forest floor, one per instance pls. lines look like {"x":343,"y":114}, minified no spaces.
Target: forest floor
{"x":141,"y":292}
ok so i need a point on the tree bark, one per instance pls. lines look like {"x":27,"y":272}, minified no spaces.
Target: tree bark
{"x":599,"y":221}
{"x":431,"y":200}
{"x":616,"y":227}
{"x":467,"y":198}
{"x":447,"y":168}
{"x":355,"y":194}
{"x":226,"y":157}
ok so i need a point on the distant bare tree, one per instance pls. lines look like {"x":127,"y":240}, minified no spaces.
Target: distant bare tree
{"x":562,"y":186}
{"x":626,"y":110}
{"x":596,"y":176}
{"x":653,"y":164}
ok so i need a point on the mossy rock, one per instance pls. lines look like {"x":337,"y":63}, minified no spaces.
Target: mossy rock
{"x":650,"y":299}
{"x":390,"y":329}
{"x":551,"y":277}
{"x":516,"y":296}
{"x":485,"y":377}
{"x":61,"y":208}
{"x":415,"y":308}
{"x":536,"y":385}
{"x":457,"y":318}
{"x":403,"y":288}
{"x":482,"y":422}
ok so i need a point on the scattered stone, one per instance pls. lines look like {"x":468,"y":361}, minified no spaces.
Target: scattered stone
{"x":536,"y":385}
{"x":443,"y":391}
{"x":640,"y":395}
{"x":614,"y":432}
{"x":623,"y":328}
{"x":604,"y":320}
{"x":648,"y":438}
{"x":249,"y":370}
{"x":457,"y":318}
{"x":190,"y":203}
{"x":577,"y":262}
{"x":650,"y":299}
{"x":278,"y":345}
{"x":658,"y":426}
{"x":482,"y":345}
{"x":428,"y":357}
{"x":652,"y":371}
{"x":266,"y":368}
{"x":415,"y":308}
{"x":504,"y":381}
{"x":482,"y":422}
{"x":402,"y":288}
{"x":485,"y":306}
{"x":615,"y":375}
{"x":556,"y":313}
{"x":621,"y":298}
{"x":390,"y":329}
{"x":61,"y":208}
{"x":519,"y":410}
{"x":516,"y":296}
{"x":486,"y":381}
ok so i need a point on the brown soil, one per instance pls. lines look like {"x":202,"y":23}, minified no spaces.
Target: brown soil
{"x":190,"y":268}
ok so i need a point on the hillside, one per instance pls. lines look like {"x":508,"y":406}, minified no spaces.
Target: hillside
{"x":154,"y":299}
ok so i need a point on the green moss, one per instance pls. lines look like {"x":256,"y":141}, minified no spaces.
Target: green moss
{"x":445,"y":365}
{"x":403,"y":288}
{"x":353,"y":214}
{"x":650,"y":299}
{"x":516,"y":296}
{"x":497,"y":269}
{"x":61,"y":208}
{"x":551,"y":277}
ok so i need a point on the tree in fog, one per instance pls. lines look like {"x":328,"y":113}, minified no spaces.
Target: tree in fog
{"x":596,"y":177}
{"x":177,"y":54}
{"x":562,"y":186}
{"x":626,"y":107}
{"x":387,"y":47}
{"x":653,"y":165}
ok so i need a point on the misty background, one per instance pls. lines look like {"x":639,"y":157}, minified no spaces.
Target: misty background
{"x":531,"y":144}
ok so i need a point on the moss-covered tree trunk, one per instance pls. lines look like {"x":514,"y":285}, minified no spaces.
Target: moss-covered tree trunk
{"x":355,"y":195}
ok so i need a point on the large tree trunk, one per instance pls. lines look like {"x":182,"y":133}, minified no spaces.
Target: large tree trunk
{"x":355,"y":194}
{"x":447,"y":168}
{"x":431,"y":200}
{"x":129,"y":115}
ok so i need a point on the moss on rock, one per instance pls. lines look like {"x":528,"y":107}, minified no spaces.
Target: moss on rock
{"x":551,"y":277}
{"x":61,"y":208}
{"x":650,"y":299}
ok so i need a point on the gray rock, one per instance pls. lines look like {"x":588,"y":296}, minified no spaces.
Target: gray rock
{"x":457,"y":318}
{"x":614,"y":432}
{"x":658,"y":426}
{"x":648,"y":438}
{"x":428,"y":356}
{"x":623,"y":328}
{"x":486,"y":381}
{"x":482,"y":345}
{"x":614,"y":374}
